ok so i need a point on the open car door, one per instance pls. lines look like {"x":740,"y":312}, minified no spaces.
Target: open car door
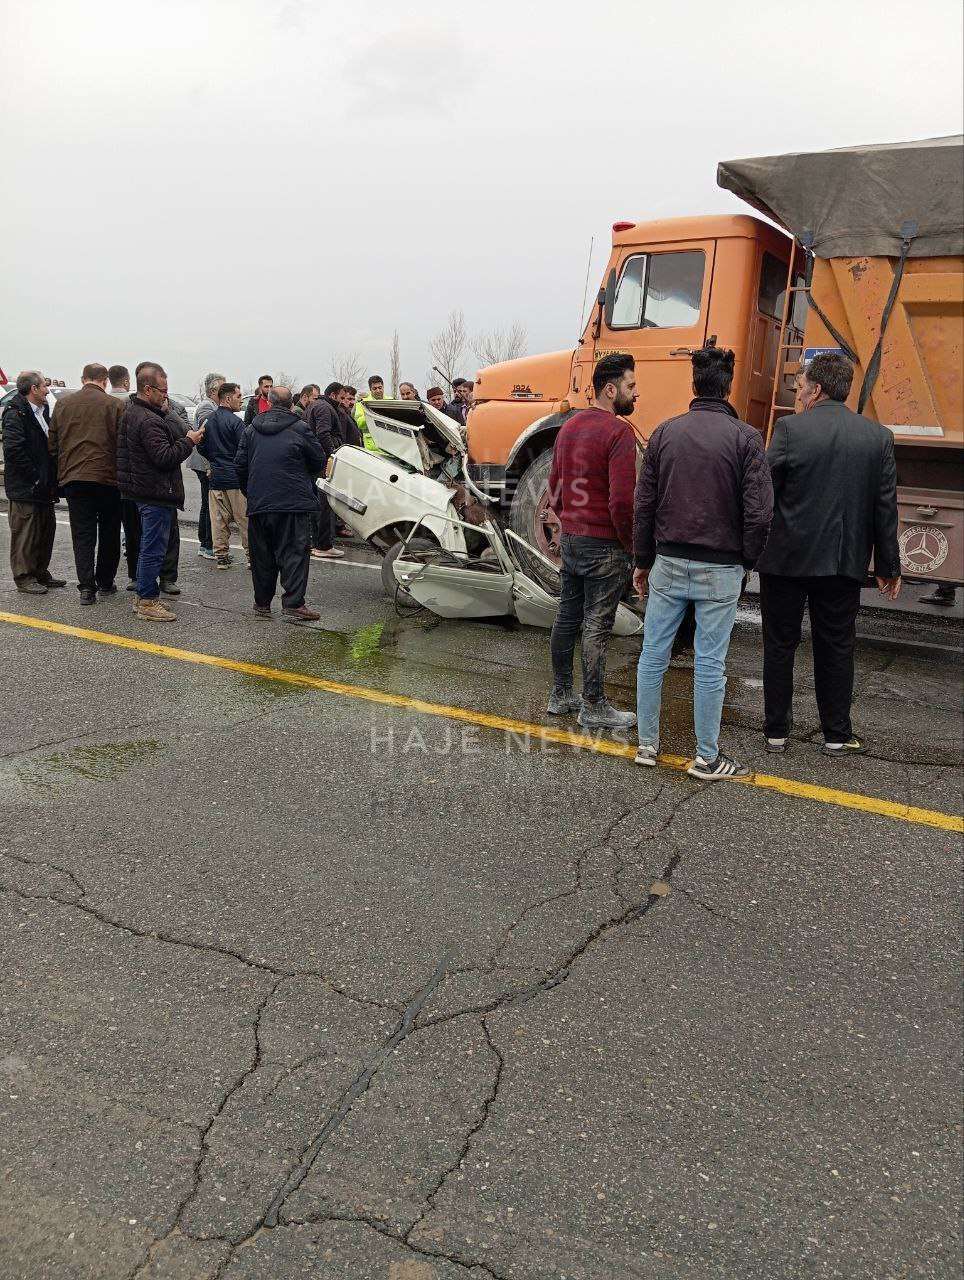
{"x":485,"y":583}
{"x":538,"y":608}
{"x":456,"y":584}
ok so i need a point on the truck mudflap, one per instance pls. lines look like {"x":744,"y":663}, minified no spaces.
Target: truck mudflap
{"x":931,"y":534}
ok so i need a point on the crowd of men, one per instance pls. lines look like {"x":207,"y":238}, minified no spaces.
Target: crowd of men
{"x":707,"y":506}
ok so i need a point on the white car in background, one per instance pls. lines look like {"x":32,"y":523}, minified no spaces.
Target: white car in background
{"x":188,"y":403}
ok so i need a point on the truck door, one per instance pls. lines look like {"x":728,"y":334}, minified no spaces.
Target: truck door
{"x":657,"y":309}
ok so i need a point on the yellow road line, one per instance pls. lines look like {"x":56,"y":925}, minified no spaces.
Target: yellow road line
{"x":521,"y":728}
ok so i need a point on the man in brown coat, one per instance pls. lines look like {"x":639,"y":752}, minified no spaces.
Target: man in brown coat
{"x":83,"y":444}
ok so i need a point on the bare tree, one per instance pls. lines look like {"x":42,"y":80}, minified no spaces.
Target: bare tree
{"x":501,"y":344}
{"x":348,"y":368}
{"x":448,"y":346}
{"x":286,"y":380}
{"x":394,"y":365}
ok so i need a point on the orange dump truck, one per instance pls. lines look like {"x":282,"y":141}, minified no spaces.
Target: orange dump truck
{"x":873,"y":266}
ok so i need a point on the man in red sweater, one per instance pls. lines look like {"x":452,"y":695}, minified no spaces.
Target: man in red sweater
{"x":591,"y":489}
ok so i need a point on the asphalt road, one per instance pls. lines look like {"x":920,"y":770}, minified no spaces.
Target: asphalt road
{"x":299,"y":981}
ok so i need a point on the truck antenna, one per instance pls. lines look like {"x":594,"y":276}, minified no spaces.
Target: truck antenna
{"x":436,"y":369}
{"x":585,"y":292}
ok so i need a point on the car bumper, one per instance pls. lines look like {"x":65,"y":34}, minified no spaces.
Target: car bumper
{"x":346,"y":499}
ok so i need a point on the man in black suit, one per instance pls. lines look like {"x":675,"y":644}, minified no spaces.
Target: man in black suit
{"x":835,"y":504}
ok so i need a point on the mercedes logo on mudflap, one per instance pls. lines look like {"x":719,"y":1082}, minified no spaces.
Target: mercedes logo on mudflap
{"x":922,"y":549}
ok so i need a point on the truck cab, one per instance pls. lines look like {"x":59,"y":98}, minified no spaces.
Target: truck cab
{"x":669,"y":287}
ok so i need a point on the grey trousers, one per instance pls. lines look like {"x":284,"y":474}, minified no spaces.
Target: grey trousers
{"x":32,"y":529}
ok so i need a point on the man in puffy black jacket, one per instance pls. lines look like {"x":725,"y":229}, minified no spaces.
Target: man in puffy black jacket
{"x":30,"y":481}
{"x":277,"y":463}
{"x":150,"y":450}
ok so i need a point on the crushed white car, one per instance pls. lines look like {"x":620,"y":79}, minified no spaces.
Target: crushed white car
{"x":414,"y":503}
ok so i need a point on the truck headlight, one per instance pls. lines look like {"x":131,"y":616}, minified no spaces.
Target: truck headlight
{"x":329,"y":467}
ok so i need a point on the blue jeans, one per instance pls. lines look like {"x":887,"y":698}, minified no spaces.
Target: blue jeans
{"x":155,"y":532}
{"x":715,"y":592}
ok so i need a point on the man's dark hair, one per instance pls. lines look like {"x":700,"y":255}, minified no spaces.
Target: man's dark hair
{"x":29,"y":379}
{"x":146,"y":373}
{"x":611,"y":368}
{"x":308,"y":388}
{"x":227,"y":389}
{"x":265,"y":377}
{"x":280,"y":397}
{"x":118,"y":373}
{"x":333,"y":388}
{"x":457,"y":382}
{"x":353,"y":390}
{"x":434,"y":391}
{"x":376,"y":377}
{"x":94,"y":373}
{"x":713,"y":372}
{"x":832,"y":373}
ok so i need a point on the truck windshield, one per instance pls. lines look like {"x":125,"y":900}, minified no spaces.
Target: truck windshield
{"x":659,"y":291}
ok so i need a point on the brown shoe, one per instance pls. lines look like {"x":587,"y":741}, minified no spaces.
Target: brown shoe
{"x":154,"y":611}
{"x":302,"y":614}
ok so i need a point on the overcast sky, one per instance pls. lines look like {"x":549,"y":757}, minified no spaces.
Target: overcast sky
{"x":256,"y":185}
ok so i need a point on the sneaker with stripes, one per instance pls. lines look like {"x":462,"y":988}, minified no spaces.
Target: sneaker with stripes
{"x":721,"y":767}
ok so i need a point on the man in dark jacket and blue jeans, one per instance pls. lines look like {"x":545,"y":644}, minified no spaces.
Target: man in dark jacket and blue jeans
{"x":704,"y":502}
{"x":277,"y":462}
{"x":591,"y":490}
{"x":150,"y":452}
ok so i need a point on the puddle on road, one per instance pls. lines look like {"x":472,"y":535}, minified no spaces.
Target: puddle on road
{"x":315,"y":652}
{"x":103,"y":762}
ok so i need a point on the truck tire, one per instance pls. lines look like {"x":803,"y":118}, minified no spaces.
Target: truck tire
{"x":392,"y":588}
{"x":530,"y":518}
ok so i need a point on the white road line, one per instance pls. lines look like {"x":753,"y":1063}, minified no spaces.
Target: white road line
{"x":342,"y":564}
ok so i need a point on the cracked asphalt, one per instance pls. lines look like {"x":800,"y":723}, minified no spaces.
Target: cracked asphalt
{"x":297,"y":985}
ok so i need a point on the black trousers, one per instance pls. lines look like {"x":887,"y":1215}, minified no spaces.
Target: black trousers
{"x":322,"y":525}
{"x":131,"y":521}
{"x":279,"y":542}
{"x":204,"y":515}
{"x":833,"y":603}
{"x":95,"y":525}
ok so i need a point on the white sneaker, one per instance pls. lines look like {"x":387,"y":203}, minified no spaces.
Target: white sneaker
{"x":646,"y":755}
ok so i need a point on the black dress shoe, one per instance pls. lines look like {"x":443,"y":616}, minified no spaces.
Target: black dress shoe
{"x":31,"y":587}
{"x":88,"y":595}
{"x":170,"y":589}
{"x":53,"y":582}
{"x":108,"y":591}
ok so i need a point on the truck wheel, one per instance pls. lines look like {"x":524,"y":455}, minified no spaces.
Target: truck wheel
{"x":392,"y":588}
{"x":531,"y":518}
